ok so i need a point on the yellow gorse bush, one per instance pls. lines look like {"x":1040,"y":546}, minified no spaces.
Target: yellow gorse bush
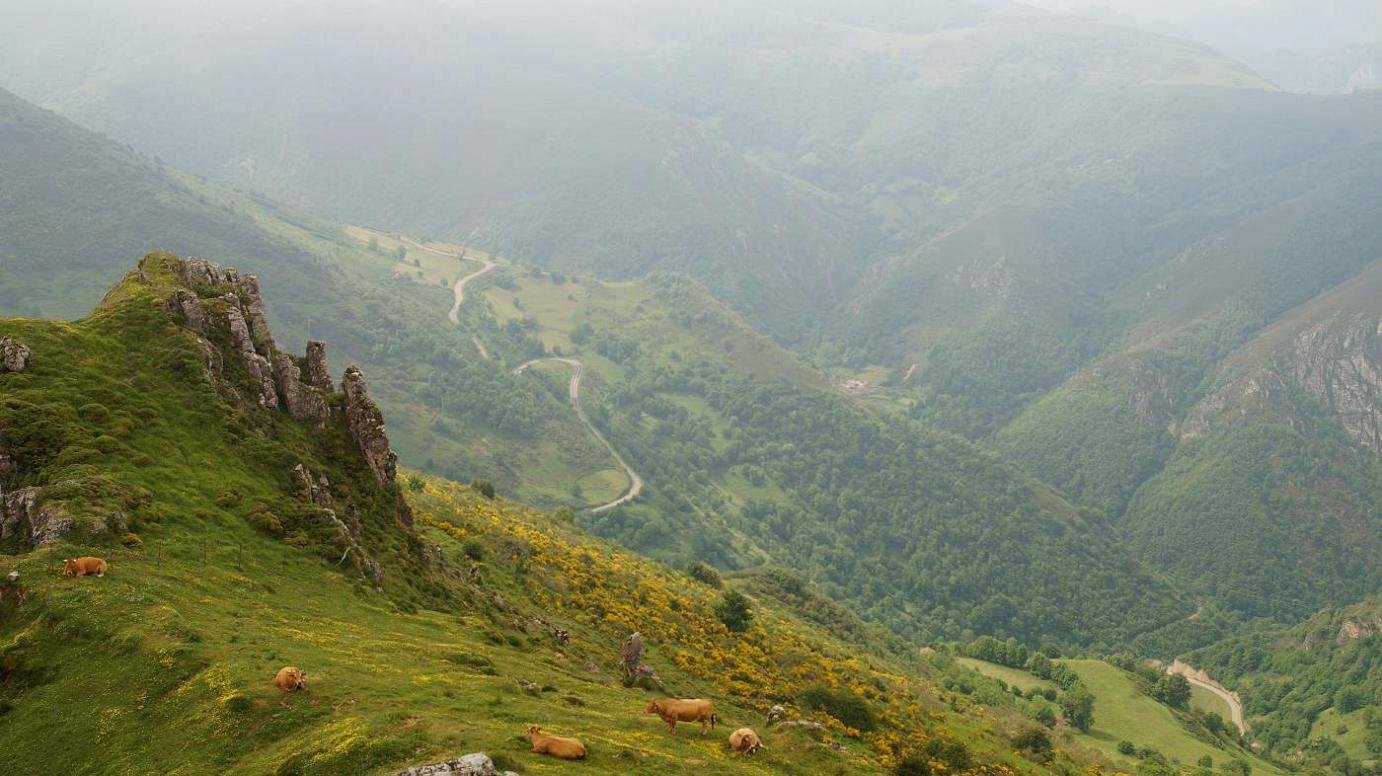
{"x":617,"y":593}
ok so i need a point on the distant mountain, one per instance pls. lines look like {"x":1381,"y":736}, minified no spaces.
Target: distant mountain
{"x":1295,"y":43}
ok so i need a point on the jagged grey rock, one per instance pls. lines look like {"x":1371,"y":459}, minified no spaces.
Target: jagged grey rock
{"x":318,"y":375}
{"x":317,"y":491}
{"x":302,"y":401}
{"x":187,"y":306}
{"x":248,"y":287}
{"x":1339,"y":361}
{"x":14,"y":357}
{"x":259,"y":368}
{"x":367,"y":427}
{"x":22,"y":518}
{"x":477,"y":764}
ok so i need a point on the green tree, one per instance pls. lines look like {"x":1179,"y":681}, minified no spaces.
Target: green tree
{"x":1348,"y":699}
{"x":483,"y":487}
{"x":1078,"y":705}
{"x":733,"y":610}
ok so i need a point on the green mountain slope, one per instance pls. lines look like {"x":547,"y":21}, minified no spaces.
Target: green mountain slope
{"x":1310,"y":689}
{"x":242,"y":537}
{"x":748,"y":456}
{"x":76,"y":204}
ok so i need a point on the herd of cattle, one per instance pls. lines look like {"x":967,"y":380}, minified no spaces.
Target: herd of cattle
{"x":671,"y":710}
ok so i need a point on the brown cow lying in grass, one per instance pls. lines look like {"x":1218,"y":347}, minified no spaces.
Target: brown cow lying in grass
{"x":745,"y":740}
{"x":289,"y":679}
{"x":554,"y":746}
{"x":80,"y":567}
{"x":673,"y":710}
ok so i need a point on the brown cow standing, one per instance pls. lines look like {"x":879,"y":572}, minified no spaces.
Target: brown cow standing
{"x":80,"y":567}
{"x":745,"y":740}
{"x":290,"y":679}
{"x":554,"y":746}
{"x":674,"y":710}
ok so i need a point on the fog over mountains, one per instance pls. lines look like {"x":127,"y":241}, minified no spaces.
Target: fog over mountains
{"x":1010,"y":329}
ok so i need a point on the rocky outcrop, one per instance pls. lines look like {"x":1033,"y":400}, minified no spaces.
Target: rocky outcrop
{"x":257,"y":365}
{"x":477,"y":764}
{"x":316,"y":490}
{"x":318,"y":374}
{"x":1336,"y":362}
{"x":22,"y":518}
{"x":1339,"y":361}
{"x":366,"y":424}
{"x":302,"y":401}
{"x":1359,"y":627}
{"x":275,"y":377}
{"x":14,"y":357}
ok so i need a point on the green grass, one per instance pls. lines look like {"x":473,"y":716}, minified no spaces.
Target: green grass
{"x":1015,"y":677}
{"x":1204,"y":700}
{"x":1353,"y":740}
{"x":1122,"y":713}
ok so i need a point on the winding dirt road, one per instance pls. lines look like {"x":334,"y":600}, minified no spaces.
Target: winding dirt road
{"x":574,"y":389}
{"x":1199,"y":678}
{"x":459,"y":288}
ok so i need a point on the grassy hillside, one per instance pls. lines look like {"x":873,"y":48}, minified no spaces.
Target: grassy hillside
{"x":219,"y":574}
{"x":1125,"y":713}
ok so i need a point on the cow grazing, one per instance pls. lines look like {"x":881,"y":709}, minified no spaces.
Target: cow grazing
{"x":80,"y":567}
{"x":290,"y":679}
{"x":673,"y":710}
{"x":554,"y":746}
{"x":745,"y":740}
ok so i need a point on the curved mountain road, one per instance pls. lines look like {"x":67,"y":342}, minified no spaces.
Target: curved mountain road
{"x":577,"y":369}
{"x":459,"y":289}
{"x":1199,"y":678}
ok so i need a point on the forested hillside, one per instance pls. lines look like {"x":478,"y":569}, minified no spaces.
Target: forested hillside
{"x":748,"y":456}
{"x":1312,"y":689}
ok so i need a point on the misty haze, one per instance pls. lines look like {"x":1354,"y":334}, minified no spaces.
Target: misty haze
{"x":729,"y":387}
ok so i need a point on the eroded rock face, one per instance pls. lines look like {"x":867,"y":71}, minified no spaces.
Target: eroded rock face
{"x":367,"y":427}
{"x":302,"y":401}
{"x":259,"y":368}
{"x":1339,"y":362}
{"x":14,"y":357}
{"x":318,"y":375}
{"x":317,"y":490}
{"x":21,"y":518}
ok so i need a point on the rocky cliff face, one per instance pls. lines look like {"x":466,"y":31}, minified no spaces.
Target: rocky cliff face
{"x":1339,"y":362}
{"x":218,"y":299}
{"x":241,"y":359}
{"x":1336,"y":362}
{"x":367,"y":427}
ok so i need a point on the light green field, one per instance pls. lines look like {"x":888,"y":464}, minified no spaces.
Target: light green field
{"x":1204,"y":700}
{"x":430,"y":262}
{"x":1352,"y":740}
{"x":1013,"y":676}
{"x":1122,"y":713}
